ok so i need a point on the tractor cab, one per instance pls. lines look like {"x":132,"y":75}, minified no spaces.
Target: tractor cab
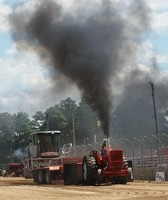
{"x":45,"y":144}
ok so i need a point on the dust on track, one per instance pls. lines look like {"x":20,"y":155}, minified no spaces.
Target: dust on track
{"x":19,"y":188}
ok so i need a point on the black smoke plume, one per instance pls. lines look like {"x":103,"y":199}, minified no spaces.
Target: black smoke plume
{"x":89,"y":46}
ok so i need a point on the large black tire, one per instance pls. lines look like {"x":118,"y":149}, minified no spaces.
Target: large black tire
{"x":41,"y":176}
{"x":89,"y":170}
{"x":48,"y":176}
{"x":129,"y":168}
{"x":125,"y":162}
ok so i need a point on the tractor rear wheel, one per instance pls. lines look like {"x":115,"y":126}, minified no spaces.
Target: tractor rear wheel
{"x":125,"y":162}
{"x":48,"y":176}
{"x":41,"y":176}
{"x":89,"y":170}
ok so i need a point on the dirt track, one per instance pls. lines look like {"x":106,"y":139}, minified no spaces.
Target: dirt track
{"x":19,"y":188}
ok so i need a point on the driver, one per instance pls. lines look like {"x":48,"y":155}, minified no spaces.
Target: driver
{"x":104,"y":144}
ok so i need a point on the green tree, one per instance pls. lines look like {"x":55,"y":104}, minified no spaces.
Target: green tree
{"x":53,"y":119}
{"x":68,"y":107}
{"x":38,"y":121}
{"x":86,"y":123}
{"x":7,"y":127}
{"x":22,"y":130}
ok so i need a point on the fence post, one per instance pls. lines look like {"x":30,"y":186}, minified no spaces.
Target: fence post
{"x":160,"y":152}
{"x":132,"y":150}
{"x":150,"y":143}
{"x":141,"y":149}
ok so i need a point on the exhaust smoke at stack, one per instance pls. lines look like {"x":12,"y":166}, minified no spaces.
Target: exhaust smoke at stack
{"x":88,"y":47}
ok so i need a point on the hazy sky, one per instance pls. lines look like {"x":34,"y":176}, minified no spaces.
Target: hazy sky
{"x":26,"y":84}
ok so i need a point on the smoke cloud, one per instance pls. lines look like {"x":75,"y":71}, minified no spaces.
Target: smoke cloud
{"x":18,"y":154}
{"x":89,"y":46}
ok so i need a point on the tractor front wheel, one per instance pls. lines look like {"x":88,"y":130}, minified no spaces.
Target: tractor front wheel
{"x":89,"y":170}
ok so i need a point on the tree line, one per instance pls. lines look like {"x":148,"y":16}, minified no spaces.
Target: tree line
{"x":126,"y":121}
{"x":15,"y":129}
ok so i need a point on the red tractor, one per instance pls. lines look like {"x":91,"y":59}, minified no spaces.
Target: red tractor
{"x":48,"y":163}
{"x":14,"y":169}
{"x":110,"y":166}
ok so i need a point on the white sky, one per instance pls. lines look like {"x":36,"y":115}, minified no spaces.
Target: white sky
{"x":25,"y":84}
